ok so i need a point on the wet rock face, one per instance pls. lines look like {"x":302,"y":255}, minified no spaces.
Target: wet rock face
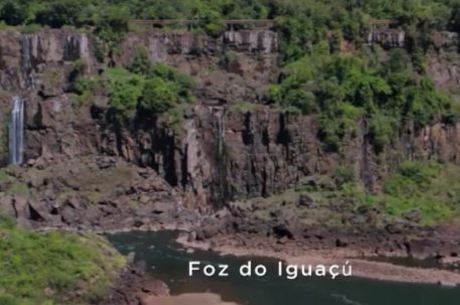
{"x":24,"y":57}
{"x":77,"y":47}
{"x":163,"y":46}
{"x":444,"y":68}
{"x":446,"y":40}
{"x":53,"y":46}
{"x":263,"y":41}
{"x":387,"y":38}
{"x":224,"y":155}
{"x":55,"y":128}
{"x":443,"y":61}
{"x":10,"y":61}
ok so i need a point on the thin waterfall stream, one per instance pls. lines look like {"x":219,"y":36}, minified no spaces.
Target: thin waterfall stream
{"x":16,"y":132}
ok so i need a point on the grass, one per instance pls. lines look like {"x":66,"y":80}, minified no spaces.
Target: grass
{"x":92,"y":184}
{"x":18,"y":189}
{"x":81,"y":181}
{"x":242,"y":107}
{"x":426,"y":193}
{"x":53,"y":77}
{"x":3,"y":175}
{"x":26,"y":29}
{"x":54,"y":268}
{"x":12,"y":186}
{"x":4,"y":137}
{"x":431,"y":191}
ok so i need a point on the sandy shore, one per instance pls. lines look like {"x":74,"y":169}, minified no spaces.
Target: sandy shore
{"x":187,"y":299}
{"x":361,"y":267}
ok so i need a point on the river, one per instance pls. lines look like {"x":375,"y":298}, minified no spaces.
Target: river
{"x":167,"y":261}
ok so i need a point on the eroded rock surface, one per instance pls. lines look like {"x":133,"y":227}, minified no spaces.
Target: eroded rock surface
{"x":84,"y":171}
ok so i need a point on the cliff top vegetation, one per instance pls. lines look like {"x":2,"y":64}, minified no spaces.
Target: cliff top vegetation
{"x":299,"y":21}
{"x":318,"y":78}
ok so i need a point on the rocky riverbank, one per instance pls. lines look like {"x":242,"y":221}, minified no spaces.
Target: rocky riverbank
{"x":295,"y":254}
{"x":187,"y":299}
{"x":133,"y":286}
{"x":136,"y":287}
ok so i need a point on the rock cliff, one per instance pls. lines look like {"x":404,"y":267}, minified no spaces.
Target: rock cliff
{"x":223,"y":151}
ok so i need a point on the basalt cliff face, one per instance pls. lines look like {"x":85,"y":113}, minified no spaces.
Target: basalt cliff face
{"x":237,"y":155}
{"x":230,"y":145}
{"x":222,"y":152}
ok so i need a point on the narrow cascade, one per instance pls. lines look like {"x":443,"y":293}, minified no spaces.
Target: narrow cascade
{"x":26,"y":61}
{"x":16,"y":132}
{"x":220,"y":134}
{"x":221,"y":166}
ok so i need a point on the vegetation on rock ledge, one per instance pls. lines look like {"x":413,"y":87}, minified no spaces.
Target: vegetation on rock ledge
{"x":154,"y":90}
{"x":343,"y":89}
{"x":416,"y":196}
{"x":54,"y":268}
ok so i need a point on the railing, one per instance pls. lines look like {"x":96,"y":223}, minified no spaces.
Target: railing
{"x":382,"y":22}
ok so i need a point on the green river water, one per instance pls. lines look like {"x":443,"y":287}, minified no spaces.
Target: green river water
{"x":168,"y":262}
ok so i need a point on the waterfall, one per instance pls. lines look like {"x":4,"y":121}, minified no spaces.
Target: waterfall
{"x":220,"y":134}
{"x":221,"y":193}
{"x":16,"y":132}
{"x":26,"y":61}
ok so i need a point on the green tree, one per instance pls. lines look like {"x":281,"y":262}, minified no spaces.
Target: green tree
{"x":59,"y":13}
{"x":112,"y":24}
{"x":141,"y":63}
{"x":124,"y":90}
{"x":158,"y":96}
{"x":13,"y":13}
{"x":211,"y":21}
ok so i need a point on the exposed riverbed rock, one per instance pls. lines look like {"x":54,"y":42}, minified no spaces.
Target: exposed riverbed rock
{"x":134,"y":286}
{"x":81,"y":194}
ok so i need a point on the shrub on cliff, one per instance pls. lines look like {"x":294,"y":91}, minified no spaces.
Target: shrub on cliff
{"x":158,"y":95}
{"x":124,"y":89}
{"x":211,"y":22}
{"x":112,"y":24}
{"x":382,"y":130}
{"x":152,"y":91}
{"x":140,"y":63}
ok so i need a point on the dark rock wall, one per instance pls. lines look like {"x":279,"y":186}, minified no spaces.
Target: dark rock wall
{"x":220,"y":153}
{"x":223,"y":155}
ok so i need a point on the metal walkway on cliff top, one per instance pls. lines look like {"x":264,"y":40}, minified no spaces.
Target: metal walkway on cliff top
{"x":259,"y":23}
